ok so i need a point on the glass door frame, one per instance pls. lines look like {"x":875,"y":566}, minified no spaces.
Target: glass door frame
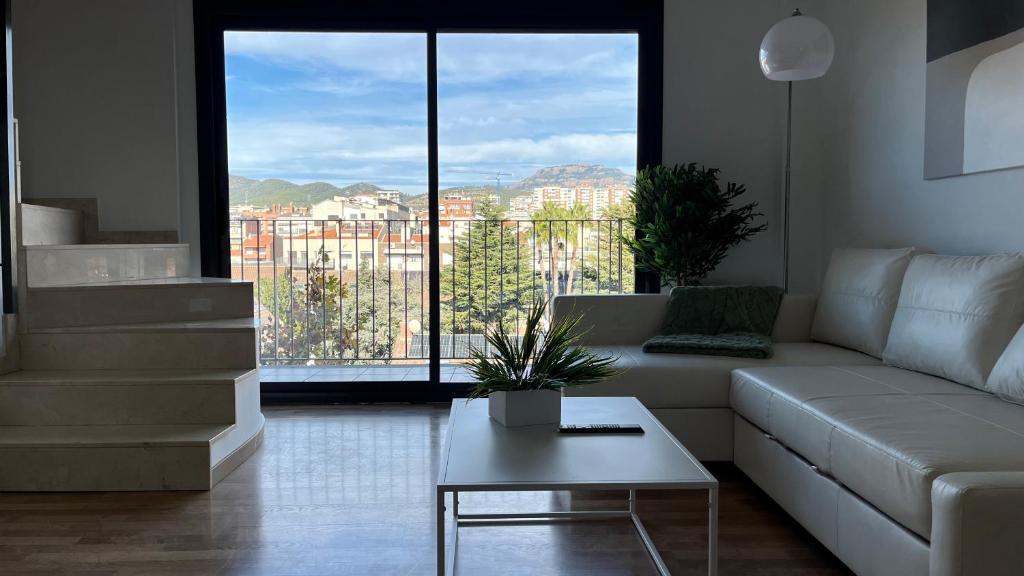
{"x":430,"y":17}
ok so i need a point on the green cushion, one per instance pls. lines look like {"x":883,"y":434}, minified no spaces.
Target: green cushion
{"x":740,"y":344}
{"x":722,"y":309}
{"x":719,"y":321}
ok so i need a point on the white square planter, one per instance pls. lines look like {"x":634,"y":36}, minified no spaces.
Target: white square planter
{"x":526,"y":407}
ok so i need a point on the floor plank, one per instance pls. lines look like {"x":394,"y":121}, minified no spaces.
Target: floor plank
{"x":348,"y":489}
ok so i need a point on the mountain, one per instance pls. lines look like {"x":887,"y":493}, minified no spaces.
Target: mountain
{"x":571,"y":175}
{"x":242,"y":190}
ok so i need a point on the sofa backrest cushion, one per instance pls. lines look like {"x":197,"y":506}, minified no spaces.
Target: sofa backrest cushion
{"x":1007,"y":378}
{"x":956,"y":315}
{"x":858,"y":298}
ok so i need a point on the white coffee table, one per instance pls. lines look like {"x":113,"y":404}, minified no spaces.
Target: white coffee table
{"x":481,"y":455}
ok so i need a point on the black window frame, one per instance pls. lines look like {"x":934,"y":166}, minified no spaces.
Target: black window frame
{"x":431,"y":17}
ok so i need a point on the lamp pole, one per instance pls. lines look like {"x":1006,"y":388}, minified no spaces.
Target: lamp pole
{"x":796,"y":48}
{"x":789,"y":180}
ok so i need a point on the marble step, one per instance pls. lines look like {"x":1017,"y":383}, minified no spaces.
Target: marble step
{"x":70,"y":264}
{"x":41,"y":458}
{"x":209,"y":344}
{"x":42,"y":225}
{"x":110,"y":397}
{"x":133,"y":301}
{"x":104,"y":458}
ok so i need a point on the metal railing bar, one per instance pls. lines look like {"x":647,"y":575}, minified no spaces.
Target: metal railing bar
{"x":486,"y":311}
{"x":391,"y":278}
{"x":373,"y":291}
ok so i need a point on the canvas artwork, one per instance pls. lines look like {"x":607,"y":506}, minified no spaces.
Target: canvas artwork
{"x":974,"y":119}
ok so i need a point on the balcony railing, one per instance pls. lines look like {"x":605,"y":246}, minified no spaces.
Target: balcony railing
{"x":357,"y":291}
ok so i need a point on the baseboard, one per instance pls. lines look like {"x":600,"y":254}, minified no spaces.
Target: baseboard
{"x":238,"y":456}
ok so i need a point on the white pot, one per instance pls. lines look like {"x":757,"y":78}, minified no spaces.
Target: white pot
{"x":526,"y":407}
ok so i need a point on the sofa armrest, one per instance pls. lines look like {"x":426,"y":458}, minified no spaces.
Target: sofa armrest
{"x":977,"y":522}
{"x":795,"y":317}
{"x":614,"y":319}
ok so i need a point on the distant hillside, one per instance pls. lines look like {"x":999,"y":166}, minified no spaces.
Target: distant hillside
{"x":474,"y":192}
{"x":571,"y":175}
{"x":273,"y":191}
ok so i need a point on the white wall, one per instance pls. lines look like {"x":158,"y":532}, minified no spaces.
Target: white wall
{"x":104,"y":94}
{"x":871,"y":115}
{"x":721,"y":111}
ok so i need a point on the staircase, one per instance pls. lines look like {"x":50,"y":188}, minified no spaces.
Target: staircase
{"x":133,"y":375}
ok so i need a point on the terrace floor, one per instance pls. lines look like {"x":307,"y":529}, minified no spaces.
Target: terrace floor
{"x":384,"y":373}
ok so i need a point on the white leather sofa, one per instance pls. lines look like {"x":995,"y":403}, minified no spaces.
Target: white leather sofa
{"x":888,"y":422}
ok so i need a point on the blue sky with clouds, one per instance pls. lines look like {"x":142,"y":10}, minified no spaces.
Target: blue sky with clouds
{"x":346,"y":108}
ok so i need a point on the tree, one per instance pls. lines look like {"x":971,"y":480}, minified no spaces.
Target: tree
{"x":559,"y":235}
{"x":316,"y":318}
{"x":490,"y":279}
{"x":686,"y":222}
{"x":301,"y":320}
{"x":610,"y":267}
{"x":375,"y":310}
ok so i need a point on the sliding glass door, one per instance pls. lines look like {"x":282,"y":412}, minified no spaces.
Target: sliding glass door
{"x":537,"y":158}
{"x":397,"y":185}
{"x":328,"y":182}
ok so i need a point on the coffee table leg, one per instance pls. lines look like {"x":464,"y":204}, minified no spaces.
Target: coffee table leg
{"x":440,"y":532}
{"x":713,"y":532}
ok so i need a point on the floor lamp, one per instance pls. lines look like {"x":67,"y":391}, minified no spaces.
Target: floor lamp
{"x":796,"y":48}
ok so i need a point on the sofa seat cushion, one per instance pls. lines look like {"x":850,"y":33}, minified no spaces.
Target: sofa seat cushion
{"x":696,"y":381}
{"x":884,"y":433}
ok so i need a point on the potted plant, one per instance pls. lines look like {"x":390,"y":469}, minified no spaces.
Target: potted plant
{"x":524,"y":376}
{"x":686,"y":223}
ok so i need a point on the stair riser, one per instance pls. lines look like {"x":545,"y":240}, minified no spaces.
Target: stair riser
{"x":79,"y":405}
{"x":73,"y":469}
{"x":66,"y":307}
{"x":92,"y":263}
{"x":138,"y":351}
{"x":46,"y":225}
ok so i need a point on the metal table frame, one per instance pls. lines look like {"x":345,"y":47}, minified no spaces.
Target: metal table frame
{"x":446,"y":551}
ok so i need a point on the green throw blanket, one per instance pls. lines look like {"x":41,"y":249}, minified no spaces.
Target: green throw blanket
{"x":740,"y":344}
{"x":719,"y":321}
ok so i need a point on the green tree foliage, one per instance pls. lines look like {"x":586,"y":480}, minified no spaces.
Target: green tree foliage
{"x":376,"y":308}
{"x":301,"y":324}
{"x":559,"y":241}
{"x":687,"y":223}
{"x":491,"y":278}
{"x":317,"y":319}
{"x":608,"y":264}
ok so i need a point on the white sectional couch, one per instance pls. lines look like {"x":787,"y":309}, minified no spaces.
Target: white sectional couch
{"x":896,"y":471}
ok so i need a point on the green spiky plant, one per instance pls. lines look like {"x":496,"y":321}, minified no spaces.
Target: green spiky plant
{"x":686,"y":223}
{"x":539,"y":360}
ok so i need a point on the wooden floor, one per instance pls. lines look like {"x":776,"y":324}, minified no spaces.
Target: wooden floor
{"x":347,"y":490}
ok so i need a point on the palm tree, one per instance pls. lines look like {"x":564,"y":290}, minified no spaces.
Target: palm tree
{"x":560,"y":228}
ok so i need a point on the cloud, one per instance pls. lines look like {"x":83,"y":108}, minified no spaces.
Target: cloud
{"x":462,"y":58}
{"x":309,"y":151}
{"x":389,"y":56}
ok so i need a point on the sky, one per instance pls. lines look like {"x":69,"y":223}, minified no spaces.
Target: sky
{"x":351,"y":107}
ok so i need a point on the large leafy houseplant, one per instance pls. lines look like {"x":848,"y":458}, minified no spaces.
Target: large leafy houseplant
{"x":537,"y":361}
{"x":686,"y":223}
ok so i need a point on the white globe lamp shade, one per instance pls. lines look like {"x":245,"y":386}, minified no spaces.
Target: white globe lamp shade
{"x":797,"y":48}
